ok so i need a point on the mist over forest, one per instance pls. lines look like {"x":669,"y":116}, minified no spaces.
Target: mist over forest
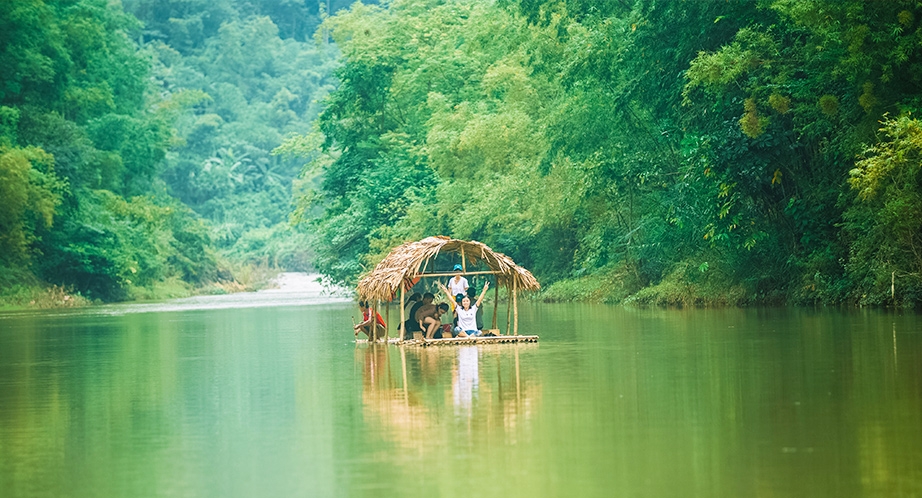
{"x":649,"y":152}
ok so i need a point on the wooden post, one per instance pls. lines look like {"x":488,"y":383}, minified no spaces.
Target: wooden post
{"x":403,"y":321}
{"x":495,"y":302}
{"x":387,"y":321}
{"x":463,"y":263}
{"x":515,"y":308}
{"x":508,"y":310}
{"x":373,"y":326}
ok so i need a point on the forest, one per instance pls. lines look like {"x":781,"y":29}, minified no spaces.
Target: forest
{"x":677,"y":153}
{"x":650,"y":152}
{"x":136,"y":144}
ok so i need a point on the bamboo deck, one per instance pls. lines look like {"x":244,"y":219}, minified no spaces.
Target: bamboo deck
{"x":458,"y":341}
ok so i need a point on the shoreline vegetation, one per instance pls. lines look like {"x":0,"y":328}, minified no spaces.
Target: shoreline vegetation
{"x":607,"y":288}
{"x":648,"y":153}
{"x":38,"y":295}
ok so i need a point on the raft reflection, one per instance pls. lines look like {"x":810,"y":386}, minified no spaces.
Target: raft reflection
{"x":418,"y":397}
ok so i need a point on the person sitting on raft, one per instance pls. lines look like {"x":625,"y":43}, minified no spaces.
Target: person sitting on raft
{"x":412,"y":303}
{"x":457,"y":286}
{"x":429,"y":317}
{"x":412,"y":324}
{"x":467,"y":315}
{"x":472,"y":293}
{"x":365,"y":325}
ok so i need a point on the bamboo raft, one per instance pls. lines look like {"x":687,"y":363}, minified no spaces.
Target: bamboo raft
{"x":407,"y":264}
{"x":456,"y":341}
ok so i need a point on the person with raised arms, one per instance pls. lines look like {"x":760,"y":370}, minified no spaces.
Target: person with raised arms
{"x":467,"y":315}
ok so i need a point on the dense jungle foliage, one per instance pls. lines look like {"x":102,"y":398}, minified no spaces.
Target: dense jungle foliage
{"x":135,"y":142}
{"x":671,"y":152}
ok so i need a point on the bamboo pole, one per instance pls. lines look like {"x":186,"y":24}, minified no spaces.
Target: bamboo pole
{"x":370,"y":330}
{"x":403,"y":321}
{"x":373,"y":326}
{"x":515,"y":308}
{"x":508,"y":312}
{"x":374,"y":321}
{"x":387,"y":321}
{"x":463,"y":262}
{"x":495,"y":303}
{"x":464,"y":273}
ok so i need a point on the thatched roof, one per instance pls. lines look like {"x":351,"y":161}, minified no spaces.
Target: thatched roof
{"x":406,"y":262}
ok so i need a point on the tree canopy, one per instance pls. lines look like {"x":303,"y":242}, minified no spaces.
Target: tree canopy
{"x":663,"y":152}
{"x":649,"y":151}
{"x":137,"y":150}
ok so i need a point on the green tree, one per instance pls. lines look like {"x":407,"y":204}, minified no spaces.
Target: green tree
{"x":81,"y":136}
{"x":31,"y":193}
{"x":884,"y":224}
{"x":245,"y":88}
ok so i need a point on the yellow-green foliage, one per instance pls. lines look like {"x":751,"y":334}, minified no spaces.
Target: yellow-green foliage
{"x":57,"y":296}
{"x":867,"y":99}
{"x":20,"y":289}
{"x":720,"y":68}
{"x":611,"y":286}
{"x":169,"y":288}
{"x":29,"y":194}
{"x":829,"y":104}
{"x":895,"y":161}
{"x":779,"y":103}
{"x":752,"y":123}
{"x":886,"y":221}
{"x":688,"y":286}
{"x":713,"y":71}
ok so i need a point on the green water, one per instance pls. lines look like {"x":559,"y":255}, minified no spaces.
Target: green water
{"x":224,"y":401}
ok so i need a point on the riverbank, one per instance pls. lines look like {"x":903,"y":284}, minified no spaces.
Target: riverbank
{"x":40,"y":297}
{"x":709,"y":286}
{"x":686,"y":286}
{"x":28,"y":292}
{"x":286,"y":289}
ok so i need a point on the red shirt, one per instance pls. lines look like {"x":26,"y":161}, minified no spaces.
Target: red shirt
{"x":365,"y":317}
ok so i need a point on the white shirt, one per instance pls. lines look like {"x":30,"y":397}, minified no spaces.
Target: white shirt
{"x":456,"y":286}
{"x":467,"y":319}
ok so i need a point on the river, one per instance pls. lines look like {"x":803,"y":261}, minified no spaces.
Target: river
{"x":265,"y":394}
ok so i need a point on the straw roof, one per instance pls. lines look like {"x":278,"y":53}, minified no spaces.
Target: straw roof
{"x":406,"y":262}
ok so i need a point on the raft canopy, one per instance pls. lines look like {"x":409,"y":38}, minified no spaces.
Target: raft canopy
{"x":411,"y":261}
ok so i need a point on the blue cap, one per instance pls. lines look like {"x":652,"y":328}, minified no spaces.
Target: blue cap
{"x":458,"y":268}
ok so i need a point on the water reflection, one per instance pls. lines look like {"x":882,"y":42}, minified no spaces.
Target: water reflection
{"x":613,"y":402}
{"x":465,"y":380}
{"x":422,"y":397}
